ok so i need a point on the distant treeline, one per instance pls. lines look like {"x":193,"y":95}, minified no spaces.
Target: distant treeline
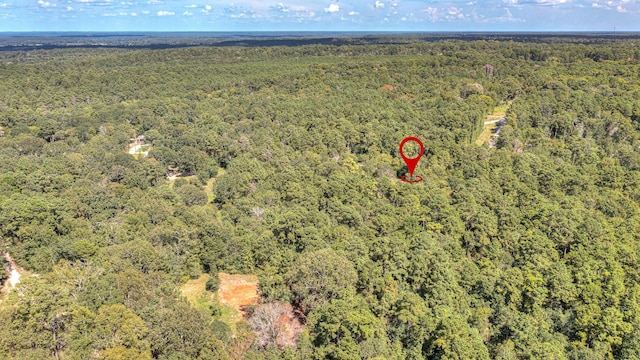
{"x":158,"y":41}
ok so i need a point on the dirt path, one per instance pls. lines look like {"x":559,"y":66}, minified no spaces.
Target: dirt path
{"x":493,"y":121}
{"x":493,"y":124}
{"x":494,"y":137}
{"x":14,"y":273}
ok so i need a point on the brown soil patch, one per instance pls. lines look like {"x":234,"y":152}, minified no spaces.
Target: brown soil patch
{"x":238,"y":291}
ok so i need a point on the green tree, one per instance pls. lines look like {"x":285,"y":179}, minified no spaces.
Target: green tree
{"x":320,"y":276}
{"x":119,"y":333}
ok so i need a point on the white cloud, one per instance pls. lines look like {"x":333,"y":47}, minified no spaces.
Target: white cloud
{"x":620,"y":6}
{"x":187,"y":13}
{"x":509,"y":18}
{"x":431,"y":10}
{"x":45,"y":4}
{"x":379,"y":4}
{"x":191,"y":6}
{"x":550,"y":2}
{"x":166,"y":13}
{"x":69,"y":8}
{"x":281,"y":7}
{"x":332,"y":8}
{"x":352,"y":13}
{"x":154,"y":2}
{"x":206,"y":9}
{"x":454,"y":13}
{"x":146,"y":12}
{"x":134,"y":14}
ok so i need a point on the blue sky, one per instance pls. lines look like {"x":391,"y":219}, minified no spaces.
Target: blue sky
{"x":320,"y":15}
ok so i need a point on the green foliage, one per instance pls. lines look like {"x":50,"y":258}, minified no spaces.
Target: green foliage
{"x":320,"y":276}
{"x":37,"y":317}
{"x":119,"y":333}
{"x":523,"y":251}
{"x":213,"y":283}
{"x":192,"y":195}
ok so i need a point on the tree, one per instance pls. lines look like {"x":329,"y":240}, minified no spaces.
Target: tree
{"x":344,"y":329}
{"x":37,"y":315}
{"x":119,"y":333}
{"x":454,"y":339}
{"x":275,"y":325}
{"x":319,"y":276}
{"x":178,"y":330}
{"x":192,"y":195}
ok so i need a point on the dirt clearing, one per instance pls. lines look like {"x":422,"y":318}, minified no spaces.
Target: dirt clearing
{"x":238,"y":291}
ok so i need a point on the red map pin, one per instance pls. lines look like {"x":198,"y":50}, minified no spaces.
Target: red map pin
{"x":411,"y":163}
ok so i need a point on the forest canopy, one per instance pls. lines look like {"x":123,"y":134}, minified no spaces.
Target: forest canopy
{"x":283,"y":162}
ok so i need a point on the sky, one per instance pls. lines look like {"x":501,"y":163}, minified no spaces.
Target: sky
{"x":319,"y":15}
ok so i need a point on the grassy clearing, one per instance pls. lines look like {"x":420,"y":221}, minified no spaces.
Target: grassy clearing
{"x":173,"y":180}
{"x":209,"y":187}
{"x":196,"y":292}
{"x":230,"y":316}
{"x":236,"y":290}
{"x":498,"y":113}
{"x":486,"y":133}
{"x":501,"y":110}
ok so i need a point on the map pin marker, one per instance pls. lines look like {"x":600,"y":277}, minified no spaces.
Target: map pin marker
{"x":411,"y":163}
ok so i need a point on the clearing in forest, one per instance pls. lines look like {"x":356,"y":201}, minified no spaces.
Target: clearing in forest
{"x":491,"y":123}
{"x":238,"y":291}
{"x":14,"y":272}
{"x":138,"y":150}
{"x":209,"y":187}
{"x":234,"y":294}
{"x":195,"y":291}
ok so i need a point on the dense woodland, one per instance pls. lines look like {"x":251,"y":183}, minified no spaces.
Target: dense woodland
{"x":529,"y":250}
